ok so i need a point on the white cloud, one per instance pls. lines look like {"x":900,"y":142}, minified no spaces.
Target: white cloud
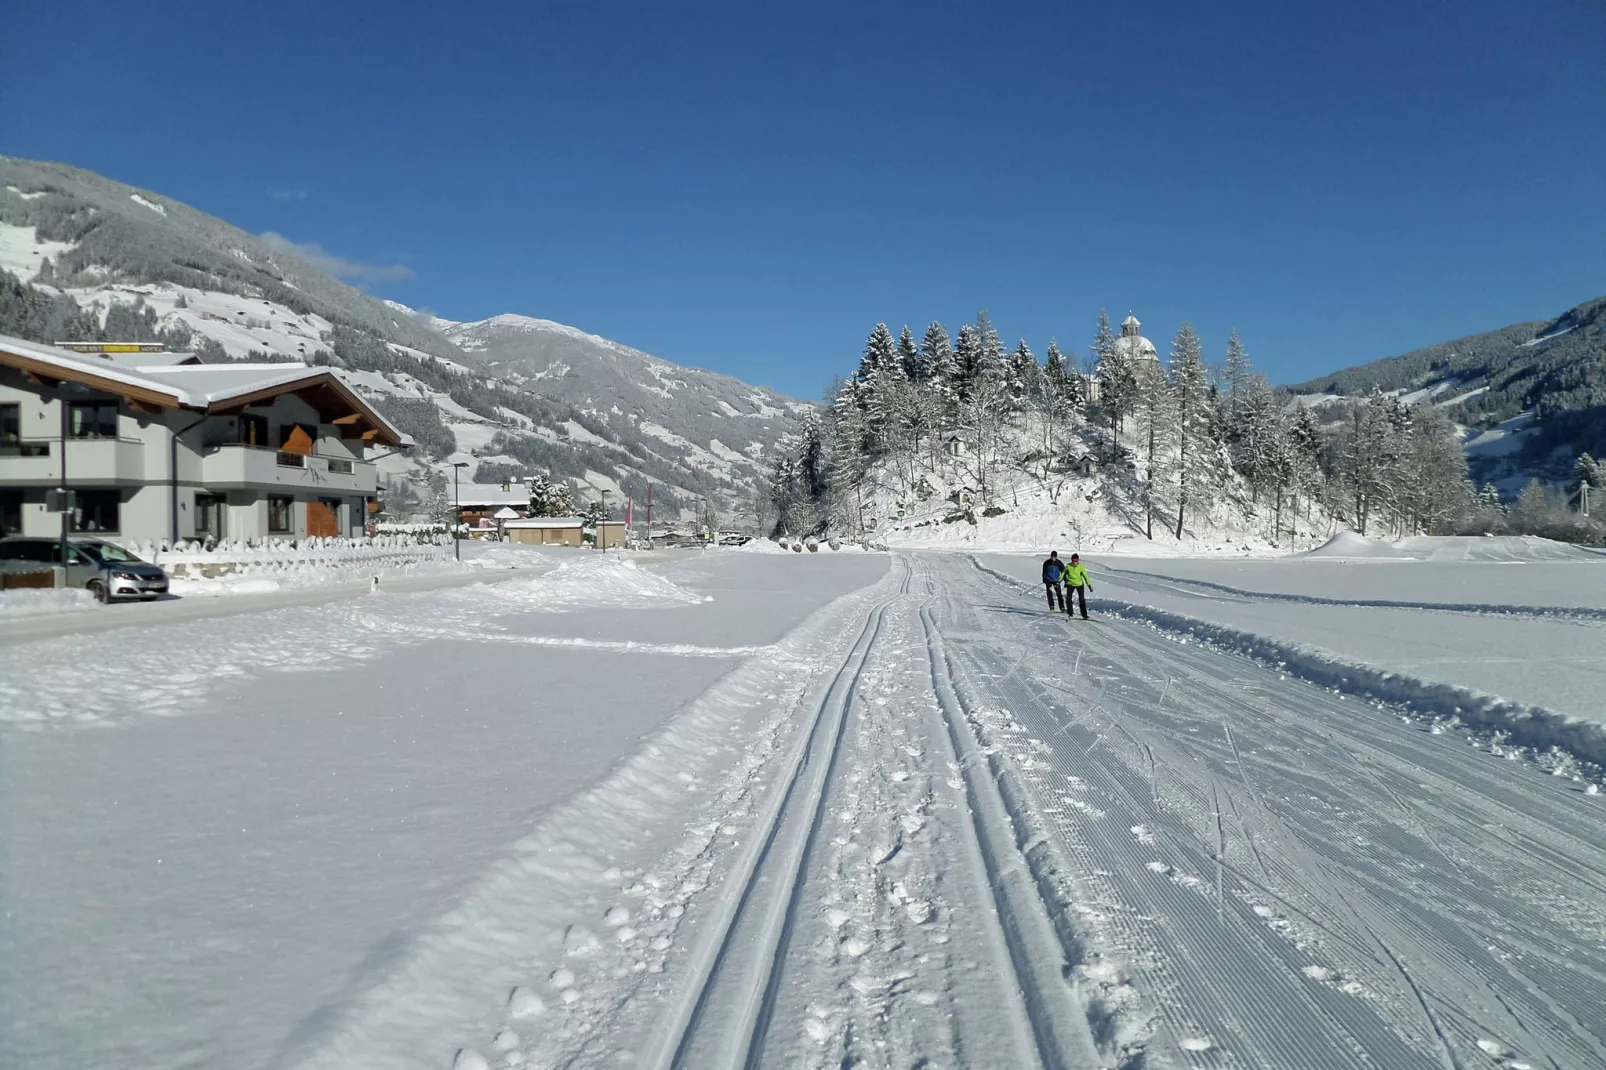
{"x":287,"y":194}
{"x":336,"y":265}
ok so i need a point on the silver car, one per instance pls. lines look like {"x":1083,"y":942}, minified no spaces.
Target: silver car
{"x":105,"y":569}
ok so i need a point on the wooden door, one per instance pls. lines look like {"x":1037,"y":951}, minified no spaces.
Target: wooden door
{"x":323,"y":521}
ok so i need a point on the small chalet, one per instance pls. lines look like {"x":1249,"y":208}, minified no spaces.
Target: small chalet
{"x":545,"y":530}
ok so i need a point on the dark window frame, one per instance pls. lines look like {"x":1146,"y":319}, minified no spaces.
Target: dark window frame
{"x":289,"y":520}
{"x":103,"y":502}
{"x":10,"y":512}
{"x":76,"y":429}
{"x":204,"y":502}
{"x":10,"y":423}
{"x":253,"y":430}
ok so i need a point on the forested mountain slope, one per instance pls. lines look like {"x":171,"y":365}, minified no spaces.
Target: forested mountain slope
{"x":85,"y":257}
{"x":1532,"y":395}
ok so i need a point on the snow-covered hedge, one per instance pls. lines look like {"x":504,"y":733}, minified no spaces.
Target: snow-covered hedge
{"x":195,"y":560}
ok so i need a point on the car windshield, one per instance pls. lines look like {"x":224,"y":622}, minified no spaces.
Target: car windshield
{"x":106,"y":552}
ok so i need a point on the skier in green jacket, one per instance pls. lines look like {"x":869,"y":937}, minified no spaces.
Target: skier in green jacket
{"x":1076,"y":586}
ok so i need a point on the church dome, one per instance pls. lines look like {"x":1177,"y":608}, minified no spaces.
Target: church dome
{"x":1132,"y":344}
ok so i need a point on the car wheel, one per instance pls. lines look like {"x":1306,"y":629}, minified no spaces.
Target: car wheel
{"x":98,"y":589}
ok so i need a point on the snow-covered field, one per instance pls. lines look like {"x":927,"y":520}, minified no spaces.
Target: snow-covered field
{"x":720,"y":809}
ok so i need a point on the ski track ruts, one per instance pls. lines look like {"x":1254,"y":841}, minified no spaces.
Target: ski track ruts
{"x":1221,"y":592}
{"x":736,"y":972}
{"x":899,"y":960}
{"x":1499,"y":945}
{"x":1452,"y":931}
{"x":1043,"y":960}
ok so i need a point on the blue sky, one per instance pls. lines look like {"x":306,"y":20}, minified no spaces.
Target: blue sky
{"x":751,"y":187}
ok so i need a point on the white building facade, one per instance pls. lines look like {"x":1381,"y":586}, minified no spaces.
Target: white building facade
{"x":154,"y":446}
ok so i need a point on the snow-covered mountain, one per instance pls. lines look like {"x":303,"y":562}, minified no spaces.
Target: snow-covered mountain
{"x":1530,"y":397}
{"x":88,"y":257}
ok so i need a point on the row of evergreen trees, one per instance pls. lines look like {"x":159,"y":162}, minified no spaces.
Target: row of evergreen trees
{"x":1176,"y":436}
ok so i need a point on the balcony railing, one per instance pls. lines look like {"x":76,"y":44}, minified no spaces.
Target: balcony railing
{"x":37,"y":461}
{"x":240,"y":466}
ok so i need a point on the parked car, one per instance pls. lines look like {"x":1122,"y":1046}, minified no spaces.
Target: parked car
{"x":103,"y":568}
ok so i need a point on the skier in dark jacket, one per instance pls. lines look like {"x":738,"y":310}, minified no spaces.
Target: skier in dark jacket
{"x":1053,"y":570}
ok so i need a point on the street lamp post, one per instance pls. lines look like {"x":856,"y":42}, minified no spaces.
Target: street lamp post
{"x":457,"y":511}
{"x":602,"y":525}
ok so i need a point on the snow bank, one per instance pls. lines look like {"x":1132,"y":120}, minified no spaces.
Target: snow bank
{"x":761,"y":546}
{"x":1499,"y":720}
{"x":1494,"y":548}
{"x":29,"y":602}
{"x":1348,"y":545}
{"x":1531,"y":727}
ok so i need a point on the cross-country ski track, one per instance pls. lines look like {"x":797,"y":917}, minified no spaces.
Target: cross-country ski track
{"x":934,"y":825}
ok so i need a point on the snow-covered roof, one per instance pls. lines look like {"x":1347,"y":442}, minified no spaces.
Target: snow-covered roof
{"x":147,"y":360}
{"x":480,"y":494}
{"x":149,"y":378}
{"x":546,"y":522}
{"x":1136,"y":345}
{"x":506,"y":513}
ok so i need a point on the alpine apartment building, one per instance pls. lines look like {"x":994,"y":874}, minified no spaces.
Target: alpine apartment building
{"x":140,"y":445}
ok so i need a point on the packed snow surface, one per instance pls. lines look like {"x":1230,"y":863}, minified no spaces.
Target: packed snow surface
{"x":712,"y":809}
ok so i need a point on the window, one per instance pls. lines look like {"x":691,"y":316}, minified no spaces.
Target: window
{"x":254,"y":431}
{"x":96,"y":510}
{"x":209,"y":515}
{"x":92,"y":419}
{"x":32,"y":550}
{"x":281,"y":515}
{"x":11,"y":443}
{"x":10,"y":512}
{"x":339,"y":467}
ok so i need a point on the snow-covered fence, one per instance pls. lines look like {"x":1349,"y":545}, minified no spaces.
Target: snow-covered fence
{"x":391,"y":527}
{"x":229,"y":557}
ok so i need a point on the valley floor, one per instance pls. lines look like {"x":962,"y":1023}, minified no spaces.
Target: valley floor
{"x":759,"y":810}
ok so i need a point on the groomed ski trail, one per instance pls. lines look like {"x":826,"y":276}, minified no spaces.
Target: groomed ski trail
{"x":1291,"y":876}
{"x":885,"y":916}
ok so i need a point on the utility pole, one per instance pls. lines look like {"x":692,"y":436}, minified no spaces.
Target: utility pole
{"x":602,"y":525}
{"x":457,"y":511}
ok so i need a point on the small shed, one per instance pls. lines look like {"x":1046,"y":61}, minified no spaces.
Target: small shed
{"x":544,"y":530}
{"x":502,"y":516}
{"x":610,"y":534}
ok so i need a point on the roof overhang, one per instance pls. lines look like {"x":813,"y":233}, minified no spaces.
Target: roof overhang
{"x":177,"y":386}
{"x":51,"y":372}
{"x":334,"y":401}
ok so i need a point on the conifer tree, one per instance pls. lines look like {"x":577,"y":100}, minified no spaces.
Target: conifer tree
{"x":1190,"y":389}
{"x":1115,"y":375}
{"x":936,"y":355}
{"x":909,"y":355}
{"x":1236,"y":373}
{"x":1155,"y":425}
{"x":967,"y":363}
{"x":1021,"y":376}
